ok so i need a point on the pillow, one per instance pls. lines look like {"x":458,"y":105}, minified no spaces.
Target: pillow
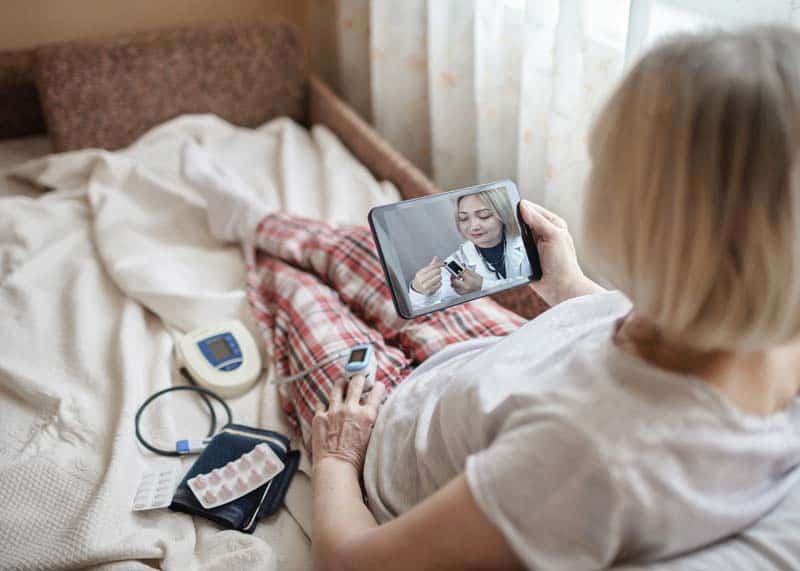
{"x":107,"y":93}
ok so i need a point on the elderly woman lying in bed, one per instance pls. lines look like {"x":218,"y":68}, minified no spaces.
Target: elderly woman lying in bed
{"x":605,"y":430}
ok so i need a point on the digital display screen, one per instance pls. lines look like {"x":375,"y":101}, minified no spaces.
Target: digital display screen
{"x":357,"y":355}
{"x":220,"y":350}
{"x":454,"y":266}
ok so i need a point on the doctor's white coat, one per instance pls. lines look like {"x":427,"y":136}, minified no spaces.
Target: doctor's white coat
{"x":516,"y":262}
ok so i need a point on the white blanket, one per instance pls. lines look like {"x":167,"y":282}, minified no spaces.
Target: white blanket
{"x":91,"y":276}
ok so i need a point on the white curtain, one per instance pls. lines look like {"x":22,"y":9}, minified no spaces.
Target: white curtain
{"x":478,"y":90}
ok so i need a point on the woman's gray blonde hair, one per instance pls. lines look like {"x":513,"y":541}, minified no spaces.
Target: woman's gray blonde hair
{"x":496,"y":199}
{"x":692,"y":205}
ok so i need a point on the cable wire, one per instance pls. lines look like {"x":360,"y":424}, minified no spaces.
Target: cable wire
{"x":301,"y":374}
{"x":204,"y":393}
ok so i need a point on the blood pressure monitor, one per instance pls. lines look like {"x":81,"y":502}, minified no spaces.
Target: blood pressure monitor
{"x":223,"y":358}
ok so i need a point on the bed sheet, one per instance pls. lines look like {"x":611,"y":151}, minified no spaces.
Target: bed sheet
{"x":94,"y":276}
{"x":16,"y":151}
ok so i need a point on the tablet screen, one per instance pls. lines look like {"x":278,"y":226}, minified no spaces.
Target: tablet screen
{"x":449,"y":248}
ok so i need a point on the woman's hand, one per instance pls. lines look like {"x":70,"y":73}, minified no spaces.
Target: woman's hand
{"x":467,"y":282}
{"x":429,"y":279}
{"x":562,"y":277}
{"x":343,"y":431}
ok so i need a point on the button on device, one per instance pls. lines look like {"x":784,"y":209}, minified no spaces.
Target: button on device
{"x":231,"y":366}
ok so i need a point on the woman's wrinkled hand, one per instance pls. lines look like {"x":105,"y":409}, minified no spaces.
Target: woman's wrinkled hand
{"x":343,"y":430}
{"x":429,"y":279}
{"x":562,"y":277}
{"x":467,"y":282}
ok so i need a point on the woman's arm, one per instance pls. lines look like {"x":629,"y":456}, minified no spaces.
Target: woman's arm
{"x":446,"y":531}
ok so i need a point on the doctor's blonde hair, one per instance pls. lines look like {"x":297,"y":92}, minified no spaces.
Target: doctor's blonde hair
{"x":693,"y":200}
{"x":496,"y":199}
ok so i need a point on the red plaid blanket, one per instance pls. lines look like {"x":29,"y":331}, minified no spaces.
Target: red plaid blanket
{"x":315,"y":290}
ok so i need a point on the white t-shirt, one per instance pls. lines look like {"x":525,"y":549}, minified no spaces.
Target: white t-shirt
{"x":581,"y":454}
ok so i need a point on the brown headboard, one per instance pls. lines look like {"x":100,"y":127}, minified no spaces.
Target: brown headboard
{"x":106,"y":93}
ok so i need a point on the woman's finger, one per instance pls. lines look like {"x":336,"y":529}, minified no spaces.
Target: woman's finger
{"x":551,"y":216}
{"x":319,"y":408}
{"x":354,"y":389}
{"x":538,"y":222}
{"x":337,"y":392}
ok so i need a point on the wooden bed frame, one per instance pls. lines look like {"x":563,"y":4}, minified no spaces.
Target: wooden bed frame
{"x":107,"y":93}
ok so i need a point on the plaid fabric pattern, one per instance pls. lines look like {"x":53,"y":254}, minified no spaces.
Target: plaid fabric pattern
{"x":315,"y":290}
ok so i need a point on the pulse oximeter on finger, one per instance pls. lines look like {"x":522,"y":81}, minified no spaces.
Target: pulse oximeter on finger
{"x":454,"y":268}
{"x":361,"y":361}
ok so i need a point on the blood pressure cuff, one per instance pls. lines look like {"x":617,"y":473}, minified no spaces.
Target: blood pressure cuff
{"x":243,"y":513}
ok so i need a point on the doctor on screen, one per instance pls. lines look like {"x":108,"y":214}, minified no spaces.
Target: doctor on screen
{"x":492,"y":252}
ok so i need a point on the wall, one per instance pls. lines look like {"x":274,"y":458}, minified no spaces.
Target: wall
{"x":29,"y":23}
{"x":420,"y":232}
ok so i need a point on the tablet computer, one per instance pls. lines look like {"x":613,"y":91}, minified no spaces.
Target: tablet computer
{"x":449,"y":248}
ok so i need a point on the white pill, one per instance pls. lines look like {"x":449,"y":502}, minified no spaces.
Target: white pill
{"x":240,"y":486}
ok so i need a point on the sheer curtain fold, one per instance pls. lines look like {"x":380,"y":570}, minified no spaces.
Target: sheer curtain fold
{"x":451,"y":92}
{"x":476,"y":90}
{"x":352,"y":25}
{"x":399,"y":76}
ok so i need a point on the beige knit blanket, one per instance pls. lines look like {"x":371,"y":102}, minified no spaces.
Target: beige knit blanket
{"x":93,"y":275}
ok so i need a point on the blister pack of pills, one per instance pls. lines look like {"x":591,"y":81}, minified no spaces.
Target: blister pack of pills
{"x":155,"y":489}
{"x":236,"y":478}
